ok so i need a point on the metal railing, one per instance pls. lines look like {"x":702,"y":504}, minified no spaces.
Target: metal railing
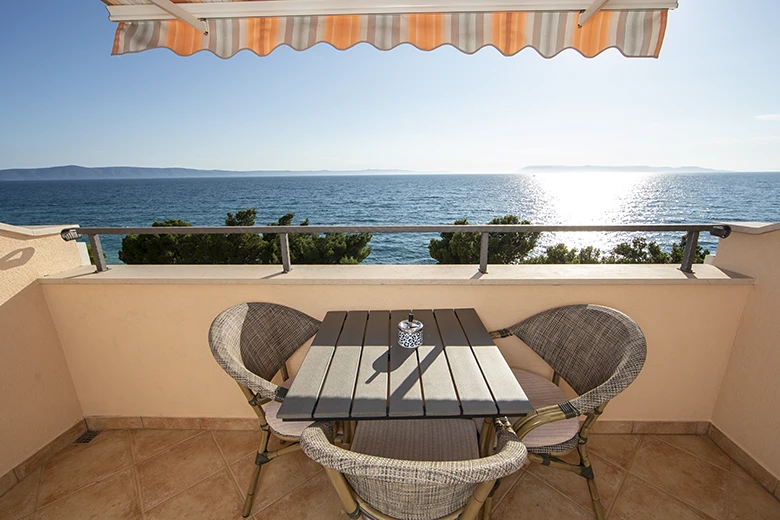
{"x":692,"y":237}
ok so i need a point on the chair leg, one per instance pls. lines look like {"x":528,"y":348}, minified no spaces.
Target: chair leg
{"x":345,"y":495}
{"x":260,"y":460}
{"x":587,"y":473}
{"x":487,"y":509}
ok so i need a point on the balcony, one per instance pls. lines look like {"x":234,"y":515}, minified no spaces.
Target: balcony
{"x":124,"y":351}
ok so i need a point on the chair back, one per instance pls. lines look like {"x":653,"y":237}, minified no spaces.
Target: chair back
{"x":413,"y":490}
{"x":253,"y":340}
{"x":587,"y":345}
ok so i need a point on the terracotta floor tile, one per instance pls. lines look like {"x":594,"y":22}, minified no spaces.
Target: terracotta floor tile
{"x":638,"y":500}
{"x":700,"y":446}
{"x":751,"y":501}
{"x":114,"y":498}
{"x":506,"y":485}
{"x":80,"y":465}
{"x":277,"y":477}
{"x":619,"y":449}
{"x":20,"y":500}
{"x":532,"y":499}
{"x":236,"y":444}
{"x":609,"y":477}
{"x":147,"y":443}
{"x":698,"y":483}
{"x":178,"y":468}
{"x":739,"y":471}
{"x":216,"y":498}
{"x":315,"y":499}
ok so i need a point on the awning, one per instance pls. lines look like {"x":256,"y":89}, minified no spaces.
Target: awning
{"x":635,"y":27}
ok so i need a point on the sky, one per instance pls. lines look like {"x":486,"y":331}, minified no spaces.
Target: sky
{"x":712,"y":99}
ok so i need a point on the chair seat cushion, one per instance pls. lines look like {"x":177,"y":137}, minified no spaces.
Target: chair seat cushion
{"x":290,"y":429}
{"x":556,"y":437}
{"x":417,"y":439}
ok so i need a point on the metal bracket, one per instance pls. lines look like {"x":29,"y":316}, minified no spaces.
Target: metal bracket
{"x":588,"y":13}
{"x":483,"y":253}
{"x":284,"y":244}
{"x":587,"y":472}
{"x":721,"y":231}
{"x":691,"y":241}
{"x":70,"y":234}
{"x":178,"y":12}
{"x":261,"y":459}
{"x":354,"y":515}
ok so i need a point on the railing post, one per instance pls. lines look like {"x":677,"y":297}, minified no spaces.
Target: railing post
{"x":285,"y":246}
{"x":483,"y":253}
{"x":97,"y":253}
{"x":691,"y":241}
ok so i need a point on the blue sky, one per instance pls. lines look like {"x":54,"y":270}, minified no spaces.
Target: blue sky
{"x":712,"y":100}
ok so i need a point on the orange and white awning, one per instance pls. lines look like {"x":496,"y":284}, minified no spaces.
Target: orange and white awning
{"x":635,"y":27}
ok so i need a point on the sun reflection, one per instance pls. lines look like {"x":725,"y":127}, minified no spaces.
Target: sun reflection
{"x":579,"y":198}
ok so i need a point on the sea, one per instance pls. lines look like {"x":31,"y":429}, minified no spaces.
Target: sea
{"x":409,"y":199}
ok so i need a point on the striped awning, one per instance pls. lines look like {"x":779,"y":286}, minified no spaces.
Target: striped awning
{"x":211,"y":25}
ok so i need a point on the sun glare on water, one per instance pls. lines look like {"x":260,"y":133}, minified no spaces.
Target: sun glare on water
{"x":582,"y":198}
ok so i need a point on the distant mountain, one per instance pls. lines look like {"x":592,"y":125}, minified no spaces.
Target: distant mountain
{"x":62,"y":173}
{"x":637,"y":169}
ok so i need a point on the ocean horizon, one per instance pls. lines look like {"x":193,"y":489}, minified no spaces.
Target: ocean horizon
{"x":550,"y":197}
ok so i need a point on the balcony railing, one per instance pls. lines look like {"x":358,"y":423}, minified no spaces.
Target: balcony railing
{"x":692,"y":237}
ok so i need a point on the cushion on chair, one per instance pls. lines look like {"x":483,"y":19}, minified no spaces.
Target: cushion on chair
{"x":556,"y":437}
{"x":279,"y":427}
{"x":417,"y":439}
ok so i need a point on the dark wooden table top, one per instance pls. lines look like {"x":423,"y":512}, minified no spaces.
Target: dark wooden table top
{"x":355,"y":370}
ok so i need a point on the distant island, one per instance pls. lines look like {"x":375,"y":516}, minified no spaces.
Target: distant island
{"x":81,"y":173}
{"x":627,"y":169}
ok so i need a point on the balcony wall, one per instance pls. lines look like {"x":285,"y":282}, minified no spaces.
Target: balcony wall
{"x":37,"y":397}
{"x":747,"y":407}
{"x":136,"y":337}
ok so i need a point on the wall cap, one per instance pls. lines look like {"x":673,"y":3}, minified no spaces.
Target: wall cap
{"x":36,"y":231}
{"x":612,"y":274}
{"x":752,"y":228}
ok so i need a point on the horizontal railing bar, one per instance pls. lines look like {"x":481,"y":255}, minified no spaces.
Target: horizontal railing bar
{"x":448,"y":228}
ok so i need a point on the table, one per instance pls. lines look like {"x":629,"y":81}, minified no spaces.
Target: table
{"x":355,"y":370}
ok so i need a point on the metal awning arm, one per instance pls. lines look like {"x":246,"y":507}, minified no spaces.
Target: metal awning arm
{"x":594,"y":8}
{"x":195,"y":12}
{"x":178,"y":12}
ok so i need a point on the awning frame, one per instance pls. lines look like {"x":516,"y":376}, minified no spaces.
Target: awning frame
{"x":194,"y":14}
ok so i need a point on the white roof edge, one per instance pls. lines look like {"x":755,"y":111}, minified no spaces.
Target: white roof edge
{"x":278,"y":8}
{"x":752,"y":228}
{"x":36,"y":231}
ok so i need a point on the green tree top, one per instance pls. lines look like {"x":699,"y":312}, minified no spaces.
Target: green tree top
{"x":503,"y":248}
{"x":245,"y":248}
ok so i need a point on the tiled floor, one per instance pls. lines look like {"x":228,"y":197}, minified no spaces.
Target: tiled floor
{"x":202,"y":475}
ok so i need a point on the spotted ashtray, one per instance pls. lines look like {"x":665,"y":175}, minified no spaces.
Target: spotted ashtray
{"x":410,"y":333}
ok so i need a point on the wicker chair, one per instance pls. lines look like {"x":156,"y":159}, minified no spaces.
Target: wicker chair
{"x":252,"y":342}
{"x":598,"y":351}
{"x":413,"y":469}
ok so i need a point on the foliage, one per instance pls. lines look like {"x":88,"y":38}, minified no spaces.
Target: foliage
{"x":638,"y":251}
{"x":246,"y":248}
{"x":503,"y":248}
{"x":561,"y":254}
{"x":330,"y":248}
{"x":159,"y":249}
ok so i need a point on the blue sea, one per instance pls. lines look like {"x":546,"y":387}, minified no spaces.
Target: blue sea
{"x":542,"y":198}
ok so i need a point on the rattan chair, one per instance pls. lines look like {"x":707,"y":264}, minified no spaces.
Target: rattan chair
{"x":420,"y":469}
{"x":598,"y":351}
{"x":252,"y":342}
